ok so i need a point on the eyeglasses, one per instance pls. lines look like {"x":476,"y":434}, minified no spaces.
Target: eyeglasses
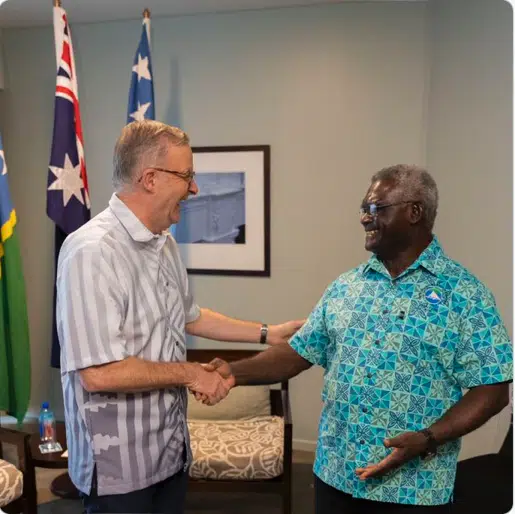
{"x":373,"y":209}
{"x":189,"y":176}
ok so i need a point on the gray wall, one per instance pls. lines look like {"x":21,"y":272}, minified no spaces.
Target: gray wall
{"x":337,"y":91}
{"x":3,"y":83}
{"x":321,"y":85}
{"x":469,"y":151}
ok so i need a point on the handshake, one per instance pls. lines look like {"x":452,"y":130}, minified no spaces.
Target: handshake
{"x":210,"y":383}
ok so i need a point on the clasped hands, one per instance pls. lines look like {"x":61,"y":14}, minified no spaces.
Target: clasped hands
{"x":212,"y":382}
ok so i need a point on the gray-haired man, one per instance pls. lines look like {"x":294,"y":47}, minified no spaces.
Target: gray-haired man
{"x":123,"y":308}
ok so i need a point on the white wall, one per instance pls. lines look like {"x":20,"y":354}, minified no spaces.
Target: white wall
{"x":337,"y":91}
{"x":469,"y":152}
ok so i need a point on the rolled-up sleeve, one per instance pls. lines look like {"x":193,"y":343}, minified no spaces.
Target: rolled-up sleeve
{"x":90,"y":310}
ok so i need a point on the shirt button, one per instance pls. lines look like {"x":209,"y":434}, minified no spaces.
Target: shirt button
{"x":377,"y":341}
{"x":385,"y":311}
{"x":365,"y":410}
{"x":362,"y":441}
{"x":369,"y":375}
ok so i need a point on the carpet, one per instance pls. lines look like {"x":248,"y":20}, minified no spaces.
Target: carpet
{"x":226,"y":503}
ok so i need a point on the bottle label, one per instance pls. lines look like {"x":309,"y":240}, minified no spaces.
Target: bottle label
{"x":46,"y":430}
{"x":49,"y":430}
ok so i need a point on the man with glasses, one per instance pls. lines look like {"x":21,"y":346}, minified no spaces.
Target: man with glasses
{"x":399,"y":338}
{"x":124,"y":307}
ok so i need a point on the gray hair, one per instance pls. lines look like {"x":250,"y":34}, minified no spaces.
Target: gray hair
{"x":415,"y":183}
{"x":143,"y":143}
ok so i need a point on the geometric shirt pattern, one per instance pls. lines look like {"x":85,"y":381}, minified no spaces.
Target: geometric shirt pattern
{"x":397,"y":355}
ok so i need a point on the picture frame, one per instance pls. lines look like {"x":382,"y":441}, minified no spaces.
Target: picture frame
{"x":225,"y":228}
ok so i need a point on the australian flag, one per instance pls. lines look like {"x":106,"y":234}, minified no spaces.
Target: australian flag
{"x":141,"y":93}
{"x":68,"y":204}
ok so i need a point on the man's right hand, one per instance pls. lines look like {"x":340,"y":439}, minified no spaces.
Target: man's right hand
{"x":207,"y":384}
{"x":217,"y":367}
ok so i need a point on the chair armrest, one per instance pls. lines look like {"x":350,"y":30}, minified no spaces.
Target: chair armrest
{"x":14,"y":437}
{"x":22,"y":442}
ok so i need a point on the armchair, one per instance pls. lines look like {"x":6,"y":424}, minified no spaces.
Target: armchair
{"x":18,"y":492}
{"x":271,"y":437}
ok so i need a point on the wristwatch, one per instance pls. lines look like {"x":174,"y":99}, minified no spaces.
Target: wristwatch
{"x":431,"y":445}
{"x":264,"y":333}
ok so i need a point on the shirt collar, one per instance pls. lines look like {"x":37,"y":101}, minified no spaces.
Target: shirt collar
{"x":432,"y":259}
{"x":136,"y":229}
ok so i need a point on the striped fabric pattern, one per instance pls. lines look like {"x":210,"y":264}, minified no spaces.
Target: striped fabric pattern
{"x":122,"y":291}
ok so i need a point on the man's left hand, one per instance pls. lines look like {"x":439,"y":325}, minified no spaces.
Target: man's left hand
{"x":278,"y":334}
{"x":405,"y":446}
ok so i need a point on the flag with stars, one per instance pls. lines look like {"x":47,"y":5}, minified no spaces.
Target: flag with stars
{"x":141,"y":93}
{"x":14,"y":326}
{"x":68,"y":204}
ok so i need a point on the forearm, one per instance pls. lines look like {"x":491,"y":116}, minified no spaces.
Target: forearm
{"x":476,"y":407}
{"x":213,"y":325}
{"x":274,"y":365}
{"x":133,"y":375}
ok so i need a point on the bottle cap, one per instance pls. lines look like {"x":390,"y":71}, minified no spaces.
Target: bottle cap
{"x":44,"y":405}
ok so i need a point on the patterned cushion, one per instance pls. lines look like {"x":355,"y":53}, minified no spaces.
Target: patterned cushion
{"x":237,"y":450}
{"x":11,"y":483}
{"x":245,"y":402}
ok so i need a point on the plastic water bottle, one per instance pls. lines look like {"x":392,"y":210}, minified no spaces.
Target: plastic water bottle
{"x":47,"y":432}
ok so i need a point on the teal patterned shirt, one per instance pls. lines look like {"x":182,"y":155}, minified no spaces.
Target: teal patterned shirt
{"x":397,"y":354}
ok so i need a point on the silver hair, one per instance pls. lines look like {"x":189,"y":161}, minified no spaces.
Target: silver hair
{"x":415,"y":183}
{"x":143,"y":143}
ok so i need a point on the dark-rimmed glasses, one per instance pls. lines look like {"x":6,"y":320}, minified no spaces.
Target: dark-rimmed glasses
{"x":373,"y":209}
{"x":188,"y":176}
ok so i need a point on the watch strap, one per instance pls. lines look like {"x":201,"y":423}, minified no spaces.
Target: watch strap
{"x":431,"y":443}
{"x":264,"y":333}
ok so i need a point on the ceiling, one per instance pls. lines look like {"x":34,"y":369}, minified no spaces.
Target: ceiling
{"x":29,"y":13}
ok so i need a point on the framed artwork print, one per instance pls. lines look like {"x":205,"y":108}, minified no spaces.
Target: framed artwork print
{"x":225,"y":228}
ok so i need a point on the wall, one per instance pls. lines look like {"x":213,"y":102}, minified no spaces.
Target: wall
{"x":2,"y":82}
{"x":2,"y":74}
{"x":469,"y":151}
{"x":337,"y":91}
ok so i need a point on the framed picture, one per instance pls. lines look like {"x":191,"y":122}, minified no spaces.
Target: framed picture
{"x":225,"y":228}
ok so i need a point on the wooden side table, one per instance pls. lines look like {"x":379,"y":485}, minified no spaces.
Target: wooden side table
{"x":61,"y":486}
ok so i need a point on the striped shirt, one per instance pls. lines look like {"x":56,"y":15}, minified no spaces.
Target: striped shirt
{"x":122,"y":291}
